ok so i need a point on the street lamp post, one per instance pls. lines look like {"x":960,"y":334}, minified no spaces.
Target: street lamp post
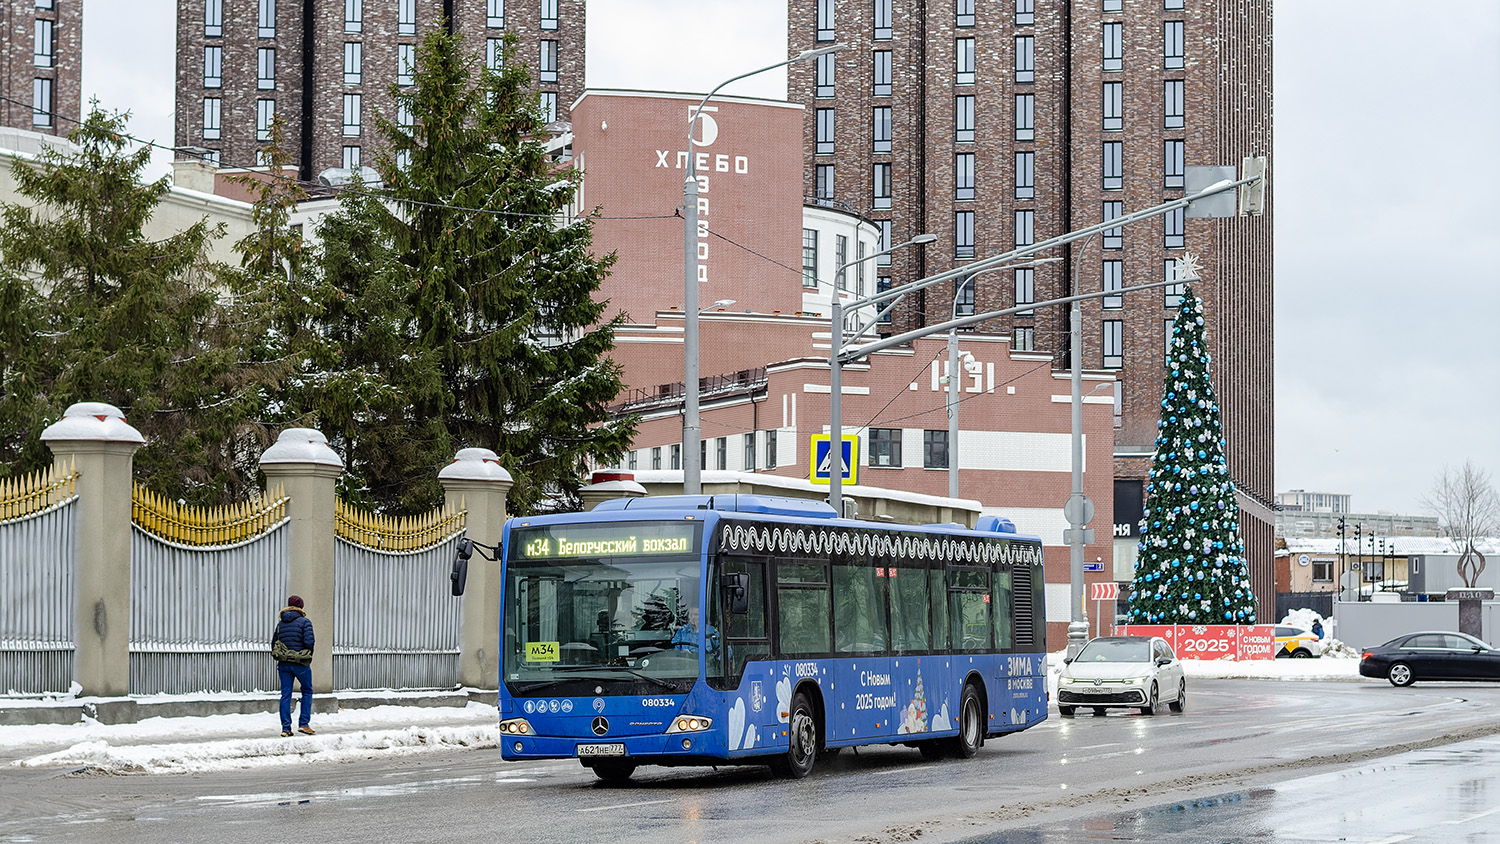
{"x":692,"y":465}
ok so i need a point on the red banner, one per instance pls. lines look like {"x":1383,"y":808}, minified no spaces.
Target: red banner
{"x":1212,"y":641}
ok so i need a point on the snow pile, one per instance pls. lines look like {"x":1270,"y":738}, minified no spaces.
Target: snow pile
{"x":1271,"y":669}
{"x":1335,"y":649}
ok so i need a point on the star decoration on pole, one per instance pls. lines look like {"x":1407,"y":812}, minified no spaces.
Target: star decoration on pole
{"x":1186,"y":268}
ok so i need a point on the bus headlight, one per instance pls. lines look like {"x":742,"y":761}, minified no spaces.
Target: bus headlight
{"x":689,"y":724}
{"x":516,"y":727}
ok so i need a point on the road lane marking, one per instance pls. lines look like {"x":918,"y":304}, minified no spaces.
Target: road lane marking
{"x":1392,"y":840}
{"x":901,"y":770}
{"x":622,"y":806}
{"x":1097,"y":746}
{"x":1475,"y":817}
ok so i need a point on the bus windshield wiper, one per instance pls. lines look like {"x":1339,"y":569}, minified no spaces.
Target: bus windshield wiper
{"x":615,"y":669}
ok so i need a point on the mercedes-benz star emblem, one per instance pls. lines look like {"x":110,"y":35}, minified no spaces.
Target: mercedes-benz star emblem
{"x":600,"y":726}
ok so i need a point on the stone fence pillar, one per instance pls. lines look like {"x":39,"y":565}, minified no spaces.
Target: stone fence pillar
{"x":605,"y":485}
{"x":103,"y":444}
{"x":476,"y":480}
{"x":302,"y":464}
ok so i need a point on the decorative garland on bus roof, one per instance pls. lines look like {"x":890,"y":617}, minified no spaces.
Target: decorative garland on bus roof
{"x":815,"y":541}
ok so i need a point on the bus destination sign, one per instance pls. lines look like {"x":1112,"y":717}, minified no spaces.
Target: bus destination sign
{"x":619,"y":540}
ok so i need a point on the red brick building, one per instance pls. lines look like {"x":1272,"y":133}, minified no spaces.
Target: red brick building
{"x":43,"y":68}
{"x":325,"y":67}
{"x":765,"y":357}
{"x":998,"y":125}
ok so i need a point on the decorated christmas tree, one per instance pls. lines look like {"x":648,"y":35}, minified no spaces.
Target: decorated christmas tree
{"x":1191,"y":568}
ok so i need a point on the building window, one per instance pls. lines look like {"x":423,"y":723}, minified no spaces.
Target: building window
{"x":351,"y":158}
{"x":1322,"y":571}
{"x":41,"y":51}
{"x":859,"y":268}
{"x":1172,"y":104}
{"x":825,"y":75}
{"x":1025,"y":175}
{"x":549,"y":14}
{"x":721,"y":447}
{"x":881,"y":77}
{"x":963,"y":61}
{"x":265,"y":113}
{"x":1025,"y":12}
{"x":354,"y":15}
{"x":882,"y":20}
{"x":676,"y":455}
{"x":1112,"y":5}
{"x":771,"y":449}
{"x":1114,"y":165}
{"x":404,"y":119}
{"x":352,"y":108}
{"x":41,"y":102}
{"x":963,"y":175}
{"x":823,"y":181}
{"x":1025,"y":58}
{"x":882,"y":186}
{"x":656,"y":457}
{"x":494,"y":54}
{"x":547,"y":101}
{"x":1025,"y":117}
{"x":825,"y":20}
{"x":824,"y":118}
{"x":1172,"y":155}
{"x":1167,"y":327}
{"x":212,"y":114}
{"x":1113,"y":279}
{"x":354,"y":53}
{"x":1171,"y":5}
{"x":1172,"y":293}
{"x":1025,"y":289}
{"x":885,"y":242}
{"x":963,"y":234}
{"x":1114,"y":106}
{"x":547,"y":62}
{"x":406,"y":62}
{"x":1113,"y":47}
{"x":885,"y":447}
{"x":1171,"y":44}
{"x":880,"y":129}
{"x":1113,"y":344}
{"x":213,"y":67}
{"x":883,"y":285}
{"x":809,"y":257}
{"x":934,"y":449}
{"x":1025,"y":228}
{"x":1113,"y":238}
{"x":1172,"y":224}
{"x":633,"y":460}
{"x":265,"y":64}
{"x":840,"y":259}
{"x":406,"y":17}
{"x":213,"y":18}
{"x":963,"y":296}
{"x":494,"y":18}
{"x":266,"y":25}
{"x":963,"y":118}
{"x":749,"y":456}
{"x":963,"y":12}
{"x":1023,"y":339}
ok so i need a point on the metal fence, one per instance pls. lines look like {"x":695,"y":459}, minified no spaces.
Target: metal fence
{"x":201,"y":617}
{"x":37,"y":599}
{"x":396,"y":624}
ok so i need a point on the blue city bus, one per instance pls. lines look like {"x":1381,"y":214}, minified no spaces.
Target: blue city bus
{"x":745,"y":629}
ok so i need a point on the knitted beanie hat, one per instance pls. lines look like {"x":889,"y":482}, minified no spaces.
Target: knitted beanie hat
{"x":294,"y":601}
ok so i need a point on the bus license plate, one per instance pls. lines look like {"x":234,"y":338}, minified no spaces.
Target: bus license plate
{"x":601,"y":750}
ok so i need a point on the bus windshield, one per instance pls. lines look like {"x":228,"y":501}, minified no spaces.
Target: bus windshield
{"x":602,"y":606}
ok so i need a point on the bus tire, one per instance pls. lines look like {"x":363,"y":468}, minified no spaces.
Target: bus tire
{"x":970,"y":725}
{"x":614,"y":772}
{"x":802,"y":741}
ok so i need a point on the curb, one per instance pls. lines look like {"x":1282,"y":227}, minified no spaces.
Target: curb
{"x":130,"y":710}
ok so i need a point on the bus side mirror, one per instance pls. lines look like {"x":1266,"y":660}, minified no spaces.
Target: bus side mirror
{"x":737,"y":589}
{"x":464,"y":549}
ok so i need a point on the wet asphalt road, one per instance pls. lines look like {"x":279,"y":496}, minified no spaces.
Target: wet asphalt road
{"x":1251,"y":761}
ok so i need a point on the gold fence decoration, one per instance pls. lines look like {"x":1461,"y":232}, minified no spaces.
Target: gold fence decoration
{"x":174,"y":521}
{"x":27,"y":494}
{"x":396,"y":533}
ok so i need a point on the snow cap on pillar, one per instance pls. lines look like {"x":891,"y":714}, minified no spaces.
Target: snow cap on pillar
{"x":475,"y":464}
{"x":302,"y":445}
{"x":93,"y":420}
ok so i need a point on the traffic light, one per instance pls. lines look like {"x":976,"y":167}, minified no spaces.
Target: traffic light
{"x":1253,"y":195}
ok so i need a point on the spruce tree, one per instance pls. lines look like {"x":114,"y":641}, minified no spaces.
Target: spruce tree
{"x":94,"y":310}
{"x":1191,"y":567}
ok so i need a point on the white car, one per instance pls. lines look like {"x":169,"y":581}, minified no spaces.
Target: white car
{"x":1122,"y":671}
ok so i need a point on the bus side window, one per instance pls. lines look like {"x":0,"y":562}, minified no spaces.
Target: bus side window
{"x":802,"y":608}
{"x":859,"y":608}
{"x":969,"y":596}
{"x":1000,"y":609}
{"x":750,"y":624}
{"x":910,"y":629}
{"x":939,"y":595}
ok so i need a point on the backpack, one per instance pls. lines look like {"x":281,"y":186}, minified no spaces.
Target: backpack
{"x":281,"y":653}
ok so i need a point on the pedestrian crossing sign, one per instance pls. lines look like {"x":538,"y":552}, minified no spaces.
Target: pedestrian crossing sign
{"x":821,"y":464}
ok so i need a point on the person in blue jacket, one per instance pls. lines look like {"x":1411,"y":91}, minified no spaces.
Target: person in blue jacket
{"x":295,"y":631}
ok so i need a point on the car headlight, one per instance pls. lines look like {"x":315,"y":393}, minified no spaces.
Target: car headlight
{"x":516,"y":727}
{"x":1135,"y":681}
{"x":689,"y":724}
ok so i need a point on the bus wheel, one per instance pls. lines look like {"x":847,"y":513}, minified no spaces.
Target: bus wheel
{"x":802,"y":741}
{"x":614,"y":771}
{"x":970,"y":725}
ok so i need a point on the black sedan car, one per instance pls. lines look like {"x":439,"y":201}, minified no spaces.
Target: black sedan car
{"x":1432,"y":655}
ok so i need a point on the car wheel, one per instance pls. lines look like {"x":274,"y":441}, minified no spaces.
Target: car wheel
{"x":1065,"y":711}
{"x":970,"y":725}
{"x":1181,"y":701}
{"x":1401,"y":675}
{"x":1302,"y":653}
{"x":614,"y":772}
{"x":802,"y":741}
{"x":1149,"y":707}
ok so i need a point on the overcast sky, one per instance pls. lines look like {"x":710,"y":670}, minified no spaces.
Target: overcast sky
{"x":1387,"y":287}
